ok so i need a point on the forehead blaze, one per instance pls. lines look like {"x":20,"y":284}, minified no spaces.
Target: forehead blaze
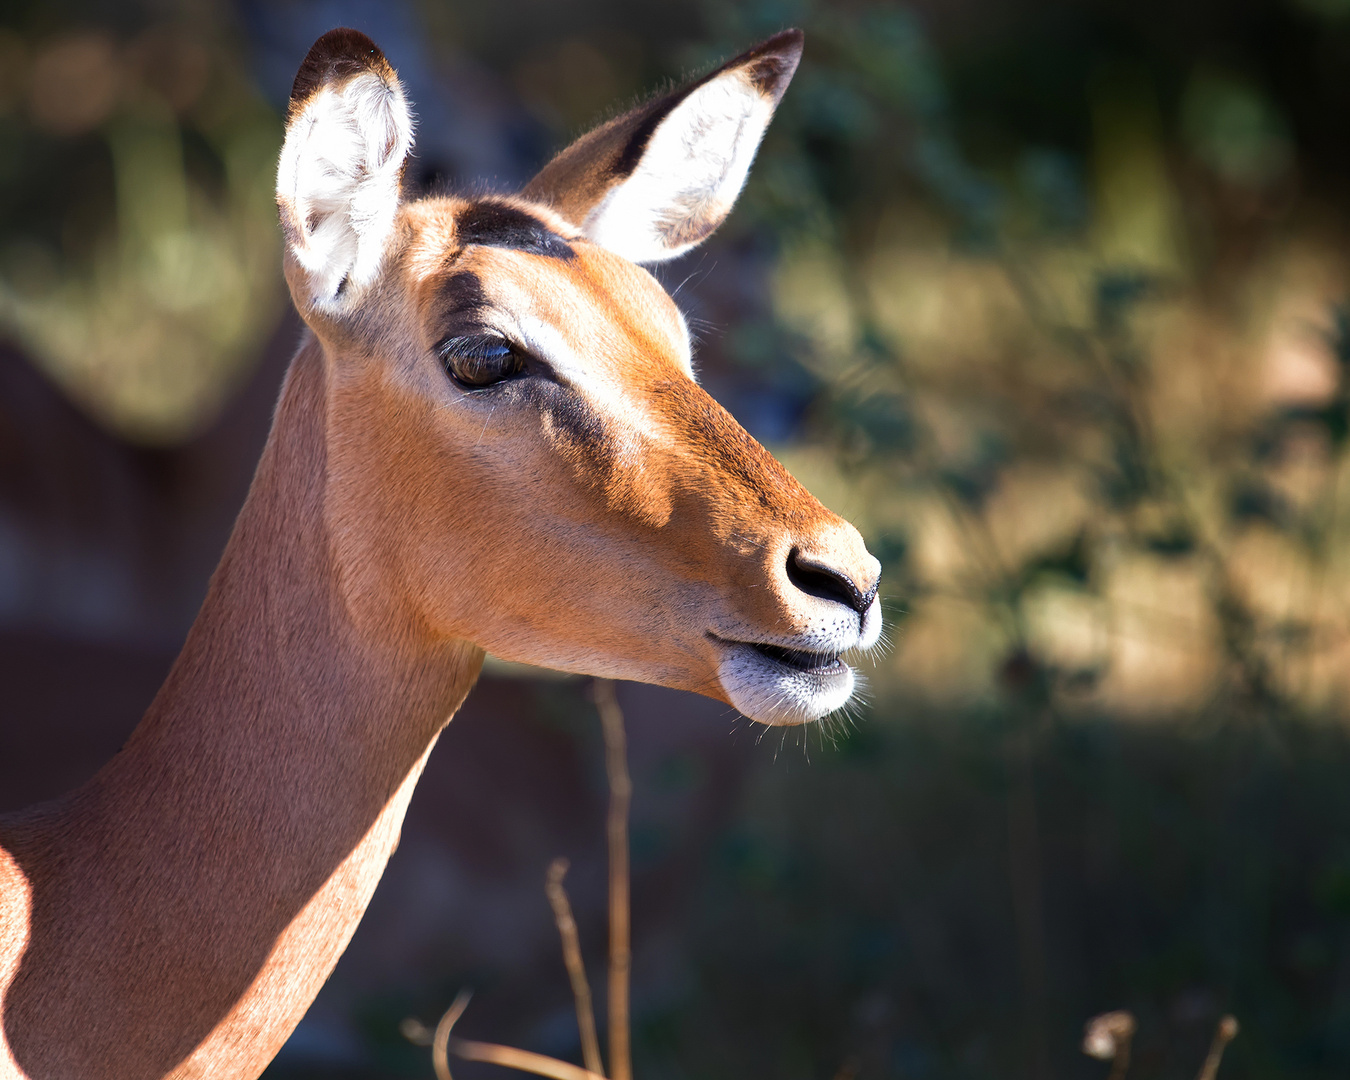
{"x":614,"y":315}
{"x":639,"y":307}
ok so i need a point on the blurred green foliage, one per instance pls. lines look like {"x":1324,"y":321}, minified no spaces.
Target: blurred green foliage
{"x":1088,"y":400}
{"x":1085,"y":433}
{"x":140,"y":259}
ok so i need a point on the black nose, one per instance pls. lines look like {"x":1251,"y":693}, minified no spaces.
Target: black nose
{"x":828,"y":583}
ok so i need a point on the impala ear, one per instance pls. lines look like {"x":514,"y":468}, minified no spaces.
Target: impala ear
{"x":348,"y":133}
{"x":652,"y":183}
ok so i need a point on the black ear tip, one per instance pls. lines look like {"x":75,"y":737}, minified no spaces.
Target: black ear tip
{"x":335,"y":57}
{"x":772,"y":63}
{"x":792,"y":39}
{"x":344,"y":40}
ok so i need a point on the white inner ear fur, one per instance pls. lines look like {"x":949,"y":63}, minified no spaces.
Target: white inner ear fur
{"x":689,"y":176}
{"x":338,"y":179}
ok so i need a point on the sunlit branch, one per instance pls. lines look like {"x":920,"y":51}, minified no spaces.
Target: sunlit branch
{"x":576,"y":968}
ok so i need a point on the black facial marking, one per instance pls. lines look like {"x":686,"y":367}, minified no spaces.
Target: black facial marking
{"x":495,"y":224}
{"x":461,"y":306}
{"x":462,"y":294}
{"x":573,"y":415}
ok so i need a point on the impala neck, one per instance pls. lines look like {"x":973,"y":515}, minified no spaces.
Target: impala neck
{"x":187,"y":904}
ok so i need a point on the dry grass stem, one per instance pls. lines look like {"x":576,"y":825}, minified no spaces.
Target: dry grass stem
{"x":620,"y":952}
{"x":1107,"y":1037}
{"x":576,"y":968}
{"x":443,"y":1045}
{"x":441,"y":1039}
{"x":1223,"y":1035}
{"x":523,"y":1060}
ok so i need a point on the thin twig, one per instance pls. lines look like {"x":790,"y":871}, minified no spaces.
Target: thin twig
{"x":1223,"y":1035}
{"x":524,"y":1060}
{"x":576,"y":968}
{"x":443,"y":1044}
{"x":439,"y":1060}
{"x":620,"y":951}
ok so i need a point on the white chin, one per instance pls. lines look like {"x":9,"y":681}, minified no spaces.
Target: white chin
{"x":777,"y":694}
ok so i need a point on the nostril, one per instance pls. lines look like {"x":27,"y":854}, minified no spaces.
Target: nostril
{"x":827,"y":583}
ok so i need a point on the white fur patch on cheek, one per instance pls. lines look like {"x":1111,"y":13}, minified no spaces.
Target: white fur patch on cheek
{"x":690,"y":174}
{"x":338,"y":182}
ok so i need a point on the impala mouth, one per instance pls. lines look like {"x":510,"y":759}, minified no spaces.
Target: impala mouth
{"x":777,"y":684}
{"x":814,"y":663}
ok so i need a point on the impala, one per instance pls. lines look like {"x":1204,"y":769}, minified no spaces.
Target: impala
{"x":491,"y":438}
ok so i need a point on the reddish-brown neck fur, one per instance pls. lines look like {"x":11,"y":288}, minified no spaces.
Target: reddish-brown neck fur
{"x":251,"y":812}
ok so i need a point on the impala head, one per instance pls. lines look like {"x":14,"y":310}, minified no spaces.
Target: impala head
{"x":518,"y":453}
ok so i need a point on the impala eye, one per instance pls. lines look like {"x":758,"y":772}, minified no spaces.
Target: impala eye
{"x":481,"y":360}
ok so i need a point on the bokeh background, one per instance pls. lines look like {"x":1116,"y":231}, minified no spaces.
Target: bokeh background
{"x":1050,"y":297}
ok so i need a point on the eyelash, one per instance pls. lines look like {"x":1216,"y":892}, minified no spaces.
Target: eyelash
{"x":481,"y":360}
